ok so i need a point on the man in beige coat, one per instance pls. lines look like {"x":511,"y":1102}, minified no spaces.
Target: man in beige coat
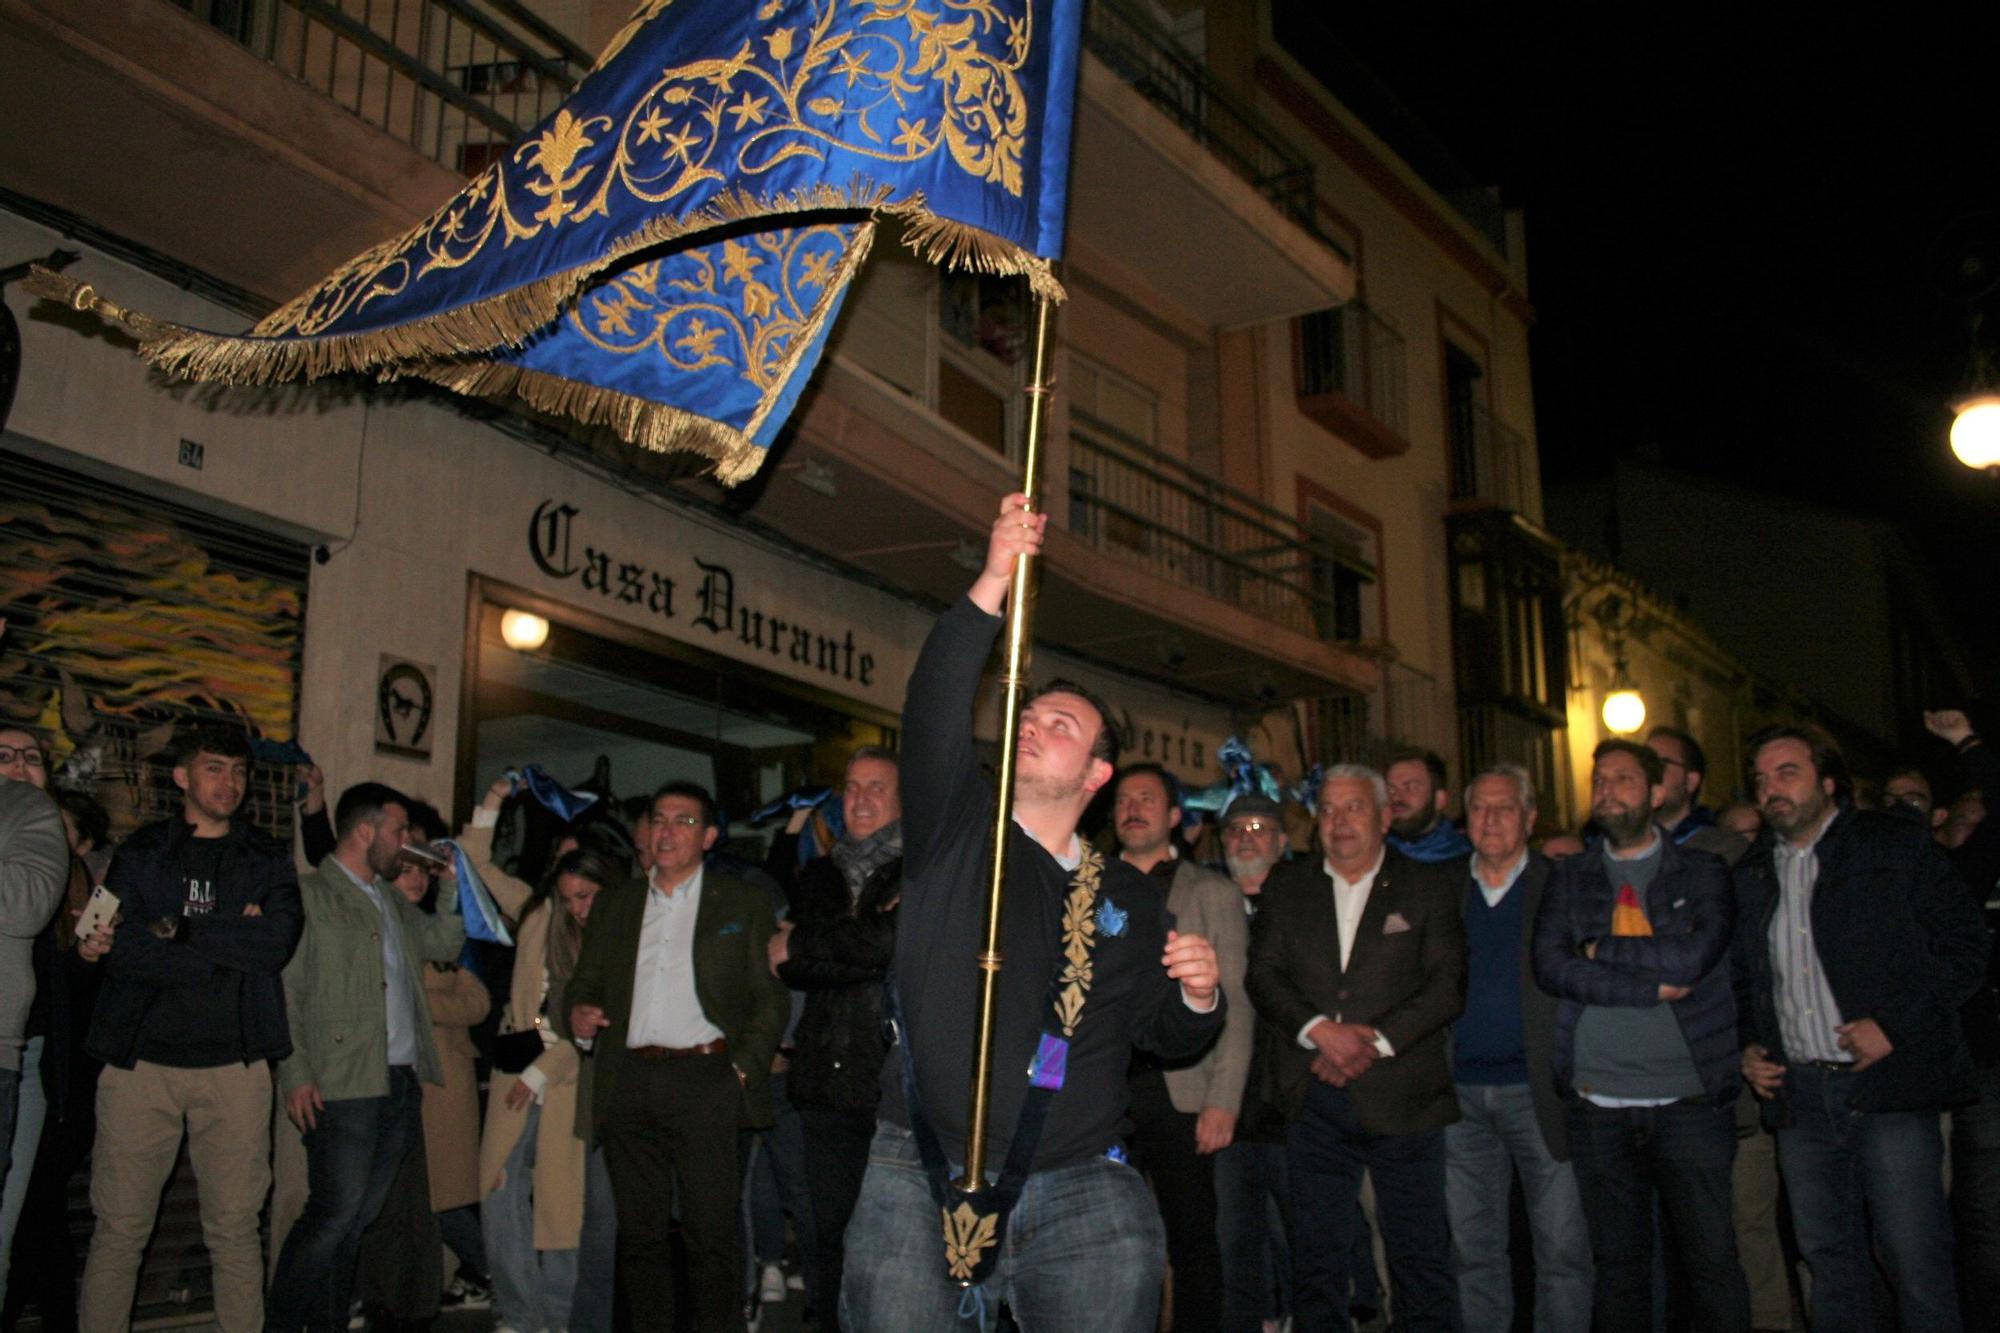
{"x":1184,"y":1113}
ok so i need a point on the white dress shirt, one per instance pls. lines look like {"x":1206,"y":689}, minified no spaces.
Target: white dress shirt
{"x":665,"y":1010}
{"x":1350,"y":900}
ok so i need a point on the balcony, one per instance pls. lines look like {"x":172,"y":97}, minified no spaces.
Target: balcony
{"x":1147,"y":508}
{"x":263,"y":142}
{"x":1347,"y":368}
{"x":1405,"y":708}
{"x":457,"y":80}
{"x":1182,"y":187}
{"x":1151,"y":568}
{"x":1492,"y":464}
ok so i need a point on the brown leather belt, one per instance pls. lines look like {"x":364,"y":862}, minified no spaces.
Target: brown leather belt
{"x":717,"y":1047}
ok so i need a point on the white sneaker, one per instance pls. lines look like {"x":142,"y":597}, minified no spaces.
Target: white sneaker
{"x":795,"y":1281}
{"x":771,"y":1288}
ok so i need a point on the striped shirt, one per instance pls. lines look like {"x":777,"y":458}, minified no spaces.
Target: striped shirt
{"x":1807,"y":1014}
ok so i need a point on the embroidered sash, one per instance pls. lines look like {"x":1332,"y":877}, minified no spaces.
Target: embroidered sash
{"x":975,"y":1224}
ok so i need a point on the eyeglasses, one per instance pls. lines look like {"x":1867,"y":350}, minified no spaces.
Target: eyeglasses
{"x":680,"y":821}
{"x":27,"y":754}
{"x":1249,"y":826}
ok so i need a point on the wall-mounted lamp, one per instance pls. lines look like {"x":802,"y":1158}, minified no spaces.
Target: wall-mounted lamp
{"x":523,"y":631}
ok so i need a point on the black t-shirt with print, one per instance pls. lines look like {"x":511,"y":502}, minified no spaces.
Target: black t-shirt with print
{"x":195,"y":1027}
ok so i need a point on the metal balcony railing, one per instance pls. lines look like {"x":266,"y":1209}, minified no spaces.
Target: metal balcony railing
{"x":1173,"y":80}
{"x":458,"y":80}
{"x":1353,"y":351}
{"x":1133,"y":502}
{"x":1490,"y":461}
{"x":1416,"y":710}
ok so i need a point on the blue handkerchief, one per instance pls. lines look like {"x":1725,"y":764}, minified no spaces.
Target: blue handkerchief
{"x":1110,"y":921}
{"x":731,"y":928}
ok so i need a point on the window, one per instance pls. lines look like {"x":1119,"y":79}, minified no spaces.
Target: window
{"x":1349,"y":377}
{"x":957,"y":342}
{"x":1343,"y":563}
{"x":1116,"y":496}
{"x":1464,"y":419}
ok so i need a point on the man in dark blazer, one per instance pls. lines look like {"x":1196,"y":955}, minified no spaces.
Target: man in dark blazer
{"x":673,"y":993}
{"x":1359,"y":960}
{"x":1513,"y":1118}
{"x":1856,"y":947}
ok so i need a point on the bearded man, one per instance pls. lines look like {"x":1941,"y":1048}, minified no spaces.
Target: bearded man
{"x":1857,"y":945}
{"x":1632,"y":938}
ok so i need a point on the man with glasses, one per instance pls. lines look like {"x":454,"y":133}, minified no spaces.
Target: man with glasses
{"x":673,"y":991}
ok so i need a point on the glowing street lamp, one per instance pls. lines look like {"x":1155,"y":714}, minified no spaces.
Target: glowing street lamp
{"x":1975,"y":432}
{"x":523,"y":631}
{"x":1624,"y":711}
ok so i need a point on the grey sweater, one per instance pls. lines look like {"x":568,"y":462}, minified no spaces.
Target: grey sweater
{"x":34,"y":865}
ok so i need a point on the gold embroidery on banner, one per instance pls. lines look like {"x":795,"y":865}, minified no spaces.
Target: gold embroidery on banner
{"x":967,"y":1236}
{"x":670,"y":137}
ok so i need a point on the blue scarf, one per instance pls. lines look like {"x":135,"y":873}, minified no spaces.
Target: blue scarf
{"x":1443,"y":842}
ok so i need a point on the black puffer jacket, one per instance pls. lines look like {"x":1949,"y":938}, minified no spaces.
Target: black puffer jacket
{"x":840,"y":954}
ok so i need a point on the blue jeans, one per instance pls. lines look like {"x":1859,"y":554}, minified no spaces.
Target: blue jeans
{"x":30,"y":1110}
{"x":1681,"y":1155}
{"x":352,"y":1157}
{"x":1975,"y":1202}
{"x":1253,"y":1203}
{"x":777,"y":1186}
{"x":1497,"y":1136}
{"x":1327,"y":1152}
{"x":531,"y":1288}
{"x":1856,"y":1176}
{"x":590,"y":1303}
{"x":1084,"y":1250}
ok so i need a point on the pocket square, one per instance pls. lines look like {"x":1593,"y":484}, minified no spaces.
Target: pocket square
{"x":731,"y":928}
{"x":1395,"y":925}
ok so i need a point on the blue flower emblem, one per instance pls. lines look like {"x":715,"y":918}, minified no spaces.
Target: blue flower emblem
{"x":1110,"y":921}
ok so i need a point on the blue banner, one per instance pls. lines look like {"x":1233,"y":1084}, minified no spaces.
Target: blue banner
{"x":665,"y":253}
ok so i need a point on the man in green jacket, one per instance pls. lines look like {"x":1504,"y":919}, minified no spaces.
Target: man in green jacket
{"x":361,"y":1045}
{"x":673,"y":993}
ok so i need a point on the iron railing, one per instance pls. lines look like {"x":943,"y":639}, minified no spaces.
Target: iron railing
{"x":1489,"y":735}
{"x":1490,"y":461}
{"x":1416,"y":710}
{"x":1132,"y":48}
{"x":458,"y":80}
{"x":1130,"y":500}
{"x":1353,"y":351}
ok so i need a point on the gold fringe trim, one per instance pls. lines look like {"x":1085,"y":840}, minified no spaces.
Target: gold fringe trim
{"x":955,"y":245}
{"x":639,"y":421}
{"x":512,"y":318}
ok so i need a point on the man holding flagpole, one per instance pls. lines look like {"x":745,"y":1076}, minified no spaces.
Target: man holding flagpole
{"x":1092,"y":968}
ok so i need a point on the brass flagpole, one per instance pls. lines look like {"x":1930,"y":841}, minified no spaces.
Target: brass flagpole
{"x":1019,"y":629}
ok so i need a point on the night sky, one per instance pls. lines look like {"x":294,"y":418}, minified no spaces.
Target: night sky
{"x":1742,"y":237}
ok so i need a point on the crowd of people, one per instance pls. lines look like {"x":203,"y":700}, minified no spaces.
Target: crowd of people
{"x":1309,"y":1066}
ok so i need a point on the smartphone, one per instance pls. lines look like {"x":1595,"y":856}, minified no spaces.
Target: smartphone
{"x":103,"y":905}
